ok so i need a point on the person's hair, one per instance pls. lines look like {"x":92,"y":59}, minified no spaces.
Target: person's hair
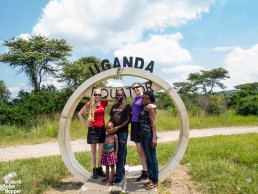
{"x":151,"y":95}
{"x":93,"y":105}
{"x":109,"y":122}
{"x":136,"y":83}
{"x":121,"y":91}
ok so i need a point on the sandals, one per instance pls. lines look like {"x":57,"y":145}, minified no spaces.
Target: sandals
{"x":151,"y":185}
{"x":146,"y":184}
{"x":105,"y":180}
{"x":110,"y":184}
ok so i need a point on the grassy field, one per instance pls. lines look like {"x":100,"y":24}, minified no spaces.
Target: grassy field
{"x":218,"y":164}
{"x":47,"y":130}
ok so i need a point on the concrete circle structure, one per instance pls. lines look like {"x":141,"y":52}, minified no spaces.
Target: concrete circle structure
{"x":65,"y":120}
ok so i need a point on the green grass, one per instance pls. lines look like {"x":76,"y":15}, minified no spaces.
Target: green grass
{"x":47,"y":130}
{"x":219,"y":164}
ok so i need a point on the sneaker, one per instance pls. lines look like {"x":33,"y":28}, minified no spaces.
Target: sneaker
{"x":100,"y":171}
{"x":117,"y":180}
{"x":95,"y":173}
{"x":144,"y":176}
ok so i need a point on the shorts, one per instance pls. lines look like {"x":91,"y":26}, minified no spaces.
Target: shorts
{"x":96,"y":135}
{"x":135,"y":132}
{"x":108,"y":159}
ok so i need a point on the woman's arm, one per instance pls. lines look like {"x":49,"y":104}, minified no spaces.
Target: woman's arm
{"x":153,"y":126}
{"x":80,"y":115}
{"x":110,"y":103}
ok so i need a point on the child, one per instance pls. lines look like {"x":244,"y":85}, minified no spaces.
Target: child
{"x":109,"y":153}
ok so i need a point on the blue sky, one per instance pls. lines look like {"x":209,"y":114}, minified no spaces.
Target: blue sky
{"x":182,"y":37}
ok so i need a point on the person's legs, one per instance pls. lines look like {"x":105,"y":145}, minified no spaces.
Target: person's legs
{"x":107,"y":174}
{"x":142,"y":156}
{"x":100,"y":169}
{"x":144,"y":175}
{"x":93,"y":154}
{"x":144,"y":149}
{"x":93,"y":160}
{"x":112,"y":173}
{"x":152,"y":161}
{"x":100,"y":149}
{"x":121,"y":156}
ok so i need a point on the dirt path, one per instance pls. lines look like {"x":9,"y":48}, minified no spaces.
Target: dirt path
{"x":52,"y":148}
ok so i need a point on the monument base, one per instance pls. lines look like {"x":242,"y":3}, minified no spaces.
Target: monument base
{"x":127,"y":185}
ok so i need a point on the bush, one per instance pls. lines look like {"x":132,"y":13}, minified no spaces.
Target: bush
{"x":24,"y":109}
{"x":213,"y":104}
{"x":248,"y":106}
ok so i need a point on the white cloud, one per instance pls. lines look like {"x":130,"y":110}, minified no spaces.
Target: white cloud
{"x":89,"y":24}
{"x":53,"y":81}
{"x":223,"y":48}
{"x":162,"y":48}
{"x":112,"y":83}
{"x":242,"y":66}
{"x":24,"y":36}
{"x":182,"y":69}
{"x":216,"y":49}
{"x":14,"y":90}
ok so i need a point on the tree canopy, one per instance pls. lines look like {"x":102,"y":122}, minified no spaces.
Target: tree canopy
{"x":37,"y":56}
{"x":74,"y":74}
{"x":248,"y":86}
{"x":4,"y":92}
{"x":204,"y":80}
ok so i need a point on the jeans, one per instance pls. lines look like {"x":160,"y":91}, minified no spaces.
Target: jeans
{"x":121,"y":155}
{"x":151,"y":157}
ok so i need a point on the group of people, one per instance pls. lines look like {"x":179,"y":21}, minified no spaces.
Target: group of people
{"x":111,"y":138}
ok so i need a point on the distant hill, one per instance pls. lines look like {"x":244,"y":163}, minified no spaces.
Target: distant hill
{"x":227,"y":92}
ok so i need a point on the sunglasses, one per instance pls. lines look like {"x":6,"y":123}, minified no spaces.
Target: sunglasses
{"x":97,"y":94}
{"x":135,"y":87}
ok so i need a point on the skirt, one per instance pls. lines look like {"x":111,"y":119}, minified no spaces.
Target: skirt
{"x":108,"y":159}
{"x":96,"y":135}
{"x":135,"y":132}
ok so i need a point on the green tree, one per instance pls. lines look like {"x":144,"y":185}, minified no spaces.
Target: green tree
{"x":185,"y":88}
{"x":244,"y":91}
{"x":248,"y":106}
{"x":4,"y":92}
{"x":208,"y":80}
{"x":74,"y":74}
{"x":248,"y":86}
{"x":37,"y":57}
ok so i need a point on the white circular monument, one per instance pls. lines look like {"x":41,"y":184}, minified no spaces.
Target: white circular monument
{"x":65,"y":120}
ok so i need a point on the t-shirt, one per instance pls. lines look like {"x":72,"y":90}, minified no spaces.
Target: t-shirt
{"x":137,"y":107}
{"x":119,"y":114}
{"x":145,"y":124}
{"x":99,"y":116}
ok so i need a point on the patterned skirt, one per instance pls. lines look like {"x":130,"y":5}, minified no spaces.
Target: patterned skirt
{"x":108,"y":159}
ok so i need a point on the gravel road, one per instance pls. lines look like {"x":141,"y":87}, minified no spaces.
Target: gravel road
{"x":52,"y":148}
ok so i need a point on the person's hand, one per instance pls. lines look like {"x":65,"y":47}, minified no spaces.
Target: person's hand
{"x":150,"y":106}
{"x":154,"y":142}
{"x":114,"y":129}
{"x":116,"y":157}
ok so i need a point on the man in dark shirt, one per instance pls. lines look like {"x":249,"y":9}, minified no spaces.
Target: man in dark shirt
{"x":120,"y":116}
